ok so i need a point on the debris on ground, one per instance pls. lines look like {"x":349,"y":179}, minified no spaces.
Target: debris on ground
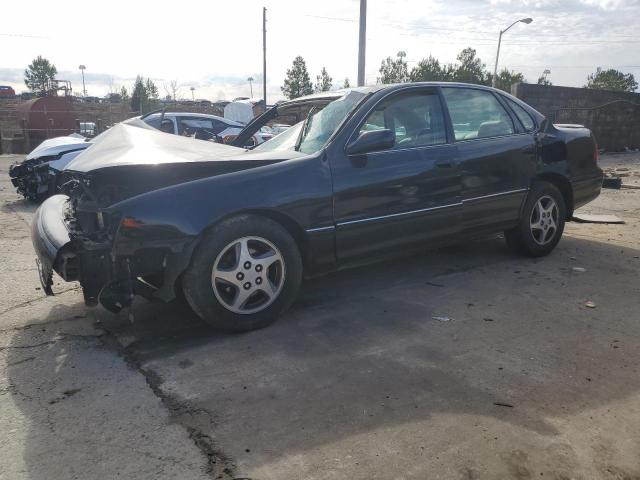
{"x":612,"y":182}
{"x":586,"y":218}
{"x":441,"y":318}
{"x":502,"y":404}
{"x":579,"y":269}
{"x":589,"y":304}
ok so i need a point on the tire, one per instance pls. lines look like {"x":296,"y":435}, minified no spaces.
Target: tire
{"x":542,"y":221}
{"x":244,"y":274}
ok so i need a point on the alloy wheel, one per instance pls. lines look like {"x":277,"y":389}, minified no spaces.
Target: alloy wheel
{"x":248,"y":275}
{"x":544,"y":220}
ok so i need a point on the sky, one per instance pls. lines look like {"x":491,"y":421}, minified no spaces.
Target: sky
{"x":214,"y":46}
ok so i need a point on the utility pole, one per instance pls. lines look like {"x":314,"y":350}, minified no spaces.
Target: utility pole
{"x":362,"y":42}
{"x":264,"y":56}
{"x":250,"y":79}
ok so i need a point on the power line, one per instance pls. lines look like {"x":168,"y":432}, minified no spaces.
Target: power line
{"x":21,"y":35}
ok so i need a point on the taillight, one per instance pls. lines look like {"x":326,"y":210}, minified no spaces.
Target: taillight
{"x":596,"y":154}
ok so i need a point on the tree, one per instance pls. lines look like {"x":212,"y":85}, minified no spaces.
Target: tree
{"x":346,"y":83}
{"x":505,"y":79}
{"x":151,"y":90}
{"x":394,"y":71}
{"x":39,"y":75}
{"x":471,"y":69}
{"x":297,"y":82}
{"x":144,"y":95}
{"x":542,"y":80}
{"x":124,"y":94}
{"x":172,"y":89}
{"x":429,"y":70}
{"x":611,"y":80}
{"x":323,"y":81}
{"x":137,"y":94}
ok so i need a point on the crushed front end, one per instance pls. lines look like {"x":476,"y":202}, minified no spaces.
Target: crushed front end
{"x":31,"y":178}
{"x":81,"y":239}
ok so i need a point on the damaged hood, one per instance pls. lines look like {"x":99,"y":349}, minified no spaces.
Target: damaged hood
{"x":133,"y":158}
{"x":58,"y":145}
{"x":133,"y":142}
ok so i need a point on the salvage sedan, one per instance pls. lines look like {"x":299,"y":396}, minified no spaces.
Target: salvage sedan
{"x":368,"y":173}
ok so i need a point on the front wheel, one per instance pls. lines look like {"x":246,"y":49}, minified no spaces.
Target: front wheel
{"x":541,"y":223}
{"x":244,"y":274}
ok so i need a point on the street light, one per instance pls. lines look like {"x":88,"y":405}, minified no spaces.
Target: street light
{"x":84,"y":90}
{"x":193,"y":89}
{"x":250,"y":79}
{"x":495,"y":67}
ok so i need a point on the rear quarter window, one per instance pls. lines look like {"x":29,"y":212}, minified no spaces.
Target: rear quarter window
{"x":523,"y":116}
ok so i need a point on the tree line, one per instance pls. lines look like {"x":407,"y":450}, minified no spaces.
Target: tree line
{"x":39,"y":77}
{"x":468,"y":68}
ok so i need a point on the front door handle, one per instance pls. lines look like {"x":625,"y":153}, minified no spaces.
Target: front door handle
{"x":445,"y":163}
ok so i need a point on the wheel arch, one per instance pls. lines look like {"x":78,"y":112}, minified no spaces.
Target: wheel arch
{"x":563,"y":184}
{"x":285,"y":221}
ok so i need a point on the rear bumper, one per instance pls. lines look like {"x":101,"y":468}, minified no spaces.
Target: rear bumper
{"x":586,"y":189}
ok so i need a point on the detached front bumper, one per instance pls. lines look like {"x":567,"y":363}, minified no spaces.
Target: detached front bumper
{"x":50,"y":236}
{"x":57,"y":251}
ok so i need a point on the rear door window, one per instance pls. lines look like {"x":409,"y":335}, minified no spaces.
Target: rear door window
{"x":476,"y":114}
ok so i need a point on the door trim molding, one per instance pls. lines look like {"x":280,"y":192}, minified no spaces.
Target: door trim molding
{"x":508,"y":192}
{"x":400,"y":214}
{"x":320,"y":229}
{"x":412,"y":212}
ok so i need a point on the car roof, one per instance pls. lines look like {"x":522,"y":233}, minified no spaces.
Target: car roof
{"x":407,"y":85}
{"x":375,"y":88}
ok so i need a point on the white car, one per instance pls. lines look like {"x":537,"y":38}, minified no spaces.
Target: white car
{"x":36,"y":177}
{"x":32,"y":177}
{"x":202,"y":126}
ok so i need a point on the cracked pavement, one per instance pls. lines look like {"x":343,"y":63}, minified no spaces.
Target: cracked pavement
{"x":357,"y":381}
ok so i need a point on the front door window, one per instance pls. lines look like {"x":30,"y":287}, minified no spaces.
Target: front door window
{"x":416,"y":119}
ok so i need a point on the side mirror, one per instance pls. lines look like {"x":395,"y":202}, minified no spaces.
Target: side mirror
{"x":372,"y":141}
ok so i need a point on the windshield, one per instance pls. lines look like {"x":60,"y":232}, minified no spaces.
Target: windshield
{"x":318,"y":129}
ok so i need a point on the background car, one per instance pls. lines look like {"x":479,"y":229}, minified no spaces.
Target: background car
{"x":203,"y":126}
{"x":7,"y":91}
{"x":36,"y":177}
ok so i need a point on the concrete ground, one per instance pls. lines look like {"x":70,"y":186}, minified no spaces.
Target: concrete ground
{"x":358,"y":380}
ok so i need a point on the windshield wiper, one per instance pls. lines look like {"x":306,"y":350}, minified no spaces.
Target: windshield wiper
{"x":303,"y":130}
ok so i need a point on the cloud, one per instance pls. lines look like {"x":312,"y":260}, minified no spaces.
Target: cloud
{"x":571,"y":37}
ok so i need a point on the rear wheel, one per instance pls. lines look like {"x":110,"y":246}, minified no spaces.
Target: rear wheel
{"x":244,"y":274}
{"x":542,"y":222}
